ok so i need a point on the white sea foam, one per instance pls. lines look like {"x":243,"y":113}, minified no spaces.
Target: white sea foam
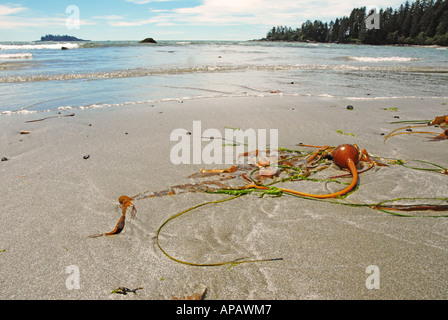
{"x":40,"y":46}
{"x":383,"y":59}
{"x":65,"y":108}
{"x":25,"y":111}
{"x":16,"y":56}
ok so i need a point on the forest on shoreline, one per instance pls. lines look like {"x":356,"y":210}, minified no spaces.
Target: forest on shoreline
{"x":51,"y":37}
{"x":422,"y":22}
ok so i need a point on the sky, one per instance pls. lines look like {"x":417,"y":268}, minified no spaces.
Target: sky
{"x":28,"y":20}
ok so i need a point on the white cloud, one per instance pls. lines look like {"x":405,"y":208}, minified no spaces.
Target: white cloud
{"x":8,"y":10}
{"x":108,"y":17}
{"x":147,"y":1}
{"x":131,"y":23}
{"x":236,"y":12}
{"x":254,"y":12}
{"x":11,"y":17}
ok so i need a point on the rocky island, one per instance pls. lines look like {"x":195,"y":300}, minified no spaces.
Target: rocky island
{"x":50,"y":37}
{"x":148,"y":40}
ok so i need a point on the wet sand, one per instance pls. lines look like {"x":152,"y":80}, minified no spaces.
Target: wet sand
{"x":53,"y":200}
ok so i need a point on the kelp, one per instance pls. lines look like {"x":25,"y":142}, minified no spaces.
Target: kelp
{"x":231,"y":263}
{"x":125,"y":203}
{"x":440,"y":121}
{"x":125,"y":291}
{"x":292,"y":165}
{"x":60,"y":116}
{"x":438,"y":168}
{"x":199,"y":295}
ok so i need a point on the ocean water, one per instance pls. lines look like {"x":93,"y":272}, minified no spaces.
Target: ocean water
{"x":39,"y":76}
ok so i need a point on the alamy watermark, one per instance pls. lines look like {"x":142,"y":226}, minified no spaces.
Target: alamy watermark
{"x":73,"y":280}
{"x":249,"y":145}
{"x":73,"y":20}
{"x":373,"y":280}
{"x":373,"y":18}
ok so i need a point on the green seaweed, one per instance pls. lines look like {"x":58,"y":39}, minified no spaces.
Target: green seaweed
{"x":345,"y":133}
{"x":227,"y":127}
{"x":440,"y":169}
{"x":231,"y":263}
{"x":273,"y":191}
{"x":233,"y":192}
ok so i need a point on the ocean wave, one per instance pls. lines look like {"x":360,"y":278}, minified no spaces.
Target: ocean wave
{"x":16,"y":56}
{"x":144,"y":72}
{"x":39,"y":46}
{"x":380,"y":59}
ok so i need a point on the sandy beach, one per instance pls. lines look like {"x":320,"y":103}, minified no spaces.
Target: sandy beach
{"x":53,"y":199}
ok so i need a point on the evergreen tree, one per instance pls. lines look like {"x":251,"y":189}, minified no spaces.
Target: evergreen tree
{"x":420,"y":22}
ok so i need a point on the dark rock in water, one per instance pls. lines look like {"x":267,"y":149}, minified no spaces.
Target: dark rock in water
{"x":64,"y":48}
{"x":350,"y":107}
{"x":148,"y":40}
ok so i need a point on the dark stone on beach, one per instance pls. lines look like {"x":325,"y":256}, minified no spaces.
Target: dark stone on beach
{"x":86,"y":157}
{"x":383,"y":134}
{"x":396,"y":117}
{"x":64,"y":48}
{"x":409,"y":130}
{"x":5,"y":159}
{"x":148,"y":40}
{"x":350,"y":107}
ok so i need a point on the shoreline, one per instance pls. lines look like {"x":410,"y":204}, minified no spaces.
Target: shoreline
{"x":56,"y":198}
{"x":358,"y":43}
{"x":70,"y":109}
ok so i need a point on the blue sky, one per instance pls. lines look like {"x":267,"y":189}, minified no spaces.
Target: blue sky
{"x":27,"y":20}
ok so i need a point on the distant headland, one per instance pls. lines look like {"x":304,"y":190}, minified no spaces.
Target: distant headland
{"x":51,"y":37}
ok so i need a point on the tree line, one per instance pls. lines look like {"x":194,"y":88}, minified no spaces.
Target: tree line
{"x":51,"y":37}
{"x":422,"y":22}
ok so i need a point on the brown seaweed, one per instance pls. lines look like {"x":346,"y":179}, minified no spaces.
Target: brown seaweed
{"x":42,"y":119}
{"x":125,"y":202}
{"x":441,"y":121}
